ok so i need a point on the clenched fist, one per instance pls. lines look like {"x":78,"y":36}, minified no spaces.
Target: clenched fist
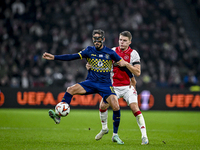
{"x":88,"y":66}
{"x":48,"y":56}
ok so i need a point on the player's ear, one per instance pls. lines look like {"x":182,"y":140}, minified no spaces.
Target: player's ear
{"x":104,"y":39}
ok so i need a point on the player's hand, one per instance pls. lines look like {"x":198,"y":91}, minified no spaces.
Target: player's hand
{"x":48,"y":56}
{"x":88,"y":66}
{"x":122,"y":63}
{"x":133,"y":82}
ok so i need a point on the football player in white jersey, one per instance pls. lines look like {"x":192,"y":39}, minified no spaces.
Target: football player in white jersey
{"x":123,"y":86}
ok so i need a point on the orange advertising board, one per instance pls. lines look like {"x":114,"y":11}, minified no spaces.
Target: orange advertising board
{"x":154,"y":99}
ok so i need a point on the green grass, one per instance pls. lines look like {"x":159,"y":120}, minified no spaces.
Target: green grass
{"x":32,"y":129}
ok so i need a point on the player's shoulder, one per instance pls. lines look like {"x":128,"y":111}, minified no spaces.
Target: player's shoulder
{"x":134,"y":51}
{"x":86,"y":50}
{"x":90,"y":47}
{"x":109,"y":50}
{"x":135,"y":54}
{"x":114,"y":48}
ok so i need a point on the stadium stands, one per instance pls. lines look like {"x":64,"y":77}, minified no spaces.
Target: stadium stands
{"x":169,"y":57}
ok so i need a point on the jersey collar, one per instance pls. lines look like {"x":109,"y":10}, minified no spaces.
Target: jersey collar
{"x":129,"y":48}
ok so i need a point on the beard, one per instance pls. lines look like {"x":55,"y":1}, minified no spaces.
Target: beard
{"x":98,"y":46}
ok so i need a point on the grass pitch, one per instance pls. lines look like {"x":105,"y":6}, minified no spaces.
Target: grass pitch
{"x":32,"y":129}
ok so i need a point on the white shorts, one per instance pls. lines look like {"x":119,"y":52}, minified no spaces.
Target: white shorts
{"x":129,"y":94}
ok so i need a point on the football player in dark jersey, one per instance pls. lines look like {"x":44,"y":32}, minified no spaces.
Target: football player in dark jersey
{"x":98,"y":80}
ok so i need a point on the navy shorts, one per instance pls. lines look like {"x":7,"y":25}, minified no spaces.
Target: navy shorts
{"x":103,"y":89}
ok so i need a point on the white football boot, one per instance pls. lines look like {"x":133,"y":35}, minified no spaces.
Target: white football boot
{"x":145,"y":141}
{"x":101,"y":133}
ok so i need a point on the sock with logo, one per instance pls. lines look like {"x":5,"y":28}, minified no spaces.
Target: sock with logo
{"x":116,"y":121}
{"x":141,"y":123}
{"x":103,"y":116}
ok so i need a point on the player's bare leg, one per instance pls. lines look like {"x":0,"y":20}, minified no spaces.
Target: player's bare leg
{"x":140,"y":121}
{"x":76,"y":89}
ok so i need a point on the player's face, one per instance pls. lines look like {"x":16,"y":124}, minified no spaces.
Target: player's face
{"x":124,"y":42}
{"x":98,"y":41}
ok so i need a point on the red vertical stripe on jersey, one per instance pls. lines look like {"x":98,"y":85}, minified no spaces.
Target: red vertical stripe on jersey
{"x":119,"y":74}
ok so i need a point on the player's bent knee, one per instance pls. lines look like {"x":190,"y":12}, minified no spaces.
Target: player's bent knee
{"x":76,"y":89}
{"x":113,"y":102}
{"x":69,"y":89}
{"x":134,"y":107}
{"x":103,"y":105}
{"x":116,"y":108}
{"x":72,"y":90}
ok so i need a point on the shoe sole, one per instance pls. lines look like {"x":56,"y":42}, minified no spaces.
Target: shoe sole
{"x":144,"y":143}
{"x":52,"y":116}
{"x":118,"y":143}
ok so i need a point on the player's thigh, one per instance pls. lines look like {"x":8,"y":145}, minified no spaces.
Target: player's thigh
{"x":103,"y":105}
{"x":130,"y":96}
{"x":76,"y":89}
{"x":113,"y":102}
{"x":134,"y":107}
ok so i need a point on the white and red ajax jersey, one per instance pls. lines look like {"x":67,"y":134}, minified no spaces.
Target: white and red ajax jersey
{"x":119,"y":77}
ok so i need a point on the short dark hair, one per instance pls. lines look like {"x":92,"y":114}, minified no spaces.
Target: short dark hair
{"x":98,"y":31}
{"x":127,"y":34}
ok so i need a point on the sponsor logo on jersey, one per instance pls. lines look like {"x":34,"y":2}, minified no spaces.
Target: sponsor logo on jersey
{"x":100,"y":55}
{"x":93,"y":54}
{"x":107,"y":56}
{"x":100,"y":64}
{"x":126,"y":57}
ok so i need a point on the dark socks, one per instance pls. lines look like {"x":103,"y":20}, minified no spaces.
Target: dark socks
{"x":116,"y":121}
{"x":67,"y":98}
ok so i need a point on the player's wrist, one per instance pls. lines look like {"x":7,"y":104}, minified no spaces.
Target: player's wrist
{"x":55,"y":57}
{"x":126,"y":64}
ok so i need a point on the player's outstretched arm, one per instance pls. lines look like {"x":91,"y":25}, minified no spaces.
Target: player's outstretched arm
{"x":65,"y":57}
{"x":48,"y":56}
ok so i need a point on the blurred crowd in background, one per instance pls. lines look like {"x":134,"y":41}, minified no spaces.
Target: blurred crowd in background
{"x":29,"y":28}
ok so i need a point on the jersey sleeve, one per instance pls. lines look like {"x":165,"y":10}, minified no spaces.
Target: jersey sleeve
{"x":135,"y":58}
{"x":114,"y":56}
{"x":84,"y":53}
{"x":67,"y":57}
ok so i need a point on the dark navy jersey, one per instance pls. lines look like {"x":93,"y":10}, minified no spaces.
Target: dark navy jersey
{"x":100,"y":61}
